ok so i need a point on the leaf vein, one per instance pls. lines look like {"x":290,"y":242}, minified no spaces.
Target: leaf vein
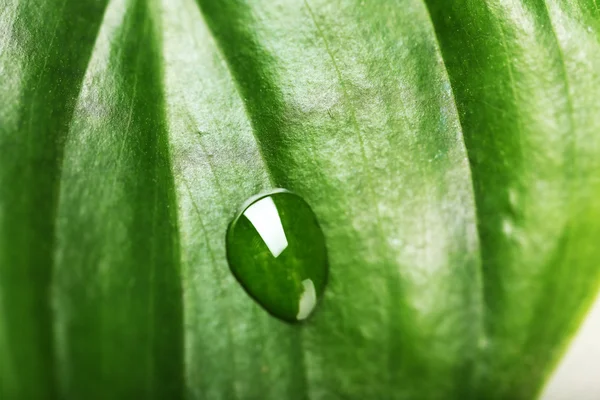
{"x":213,"y":258}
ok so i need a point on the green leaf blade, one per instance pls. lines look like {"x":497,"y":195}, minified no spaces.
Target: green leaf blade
{"x":234,"y":349}
{"x":117,"y":284}
{"x":526,"y":91}
{"x":41,"y":76}
{"x":309,"y":125}
{"x":129,"y":152}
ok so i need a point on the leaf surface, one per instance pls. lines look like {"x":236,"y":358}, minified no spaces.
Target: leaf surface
{"x":527,"y":83}
{"x":451,"y":226}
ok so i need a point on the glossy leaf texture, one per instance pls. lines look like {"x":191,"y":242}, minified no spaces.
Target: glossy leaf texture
{"x":449,"y":150}
{"x":526,"y":77}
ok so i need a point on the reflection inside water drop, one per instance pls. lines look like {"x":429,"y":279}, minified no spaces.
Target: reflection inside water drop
{"x":308,"y":300}
{"x":264,"y":216}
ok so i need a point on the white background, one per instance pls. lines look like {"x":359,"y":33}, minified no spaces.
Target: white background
{"x":577,"y":377}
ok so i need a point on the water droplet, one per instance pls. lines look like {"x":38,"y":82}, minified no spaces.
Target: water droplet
{"x":276,"y":250}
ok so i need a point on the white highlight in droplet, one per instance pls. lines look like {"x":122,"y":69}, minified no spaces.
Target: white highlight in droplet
{"x":308,"y":299}
{"x":264,"y":216}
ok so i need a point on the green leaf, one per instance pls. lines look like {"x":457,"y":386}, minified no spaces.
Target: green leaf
{"x":41,"y":68}
{"x":132,"y":130}
{"x":526,"y":76}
